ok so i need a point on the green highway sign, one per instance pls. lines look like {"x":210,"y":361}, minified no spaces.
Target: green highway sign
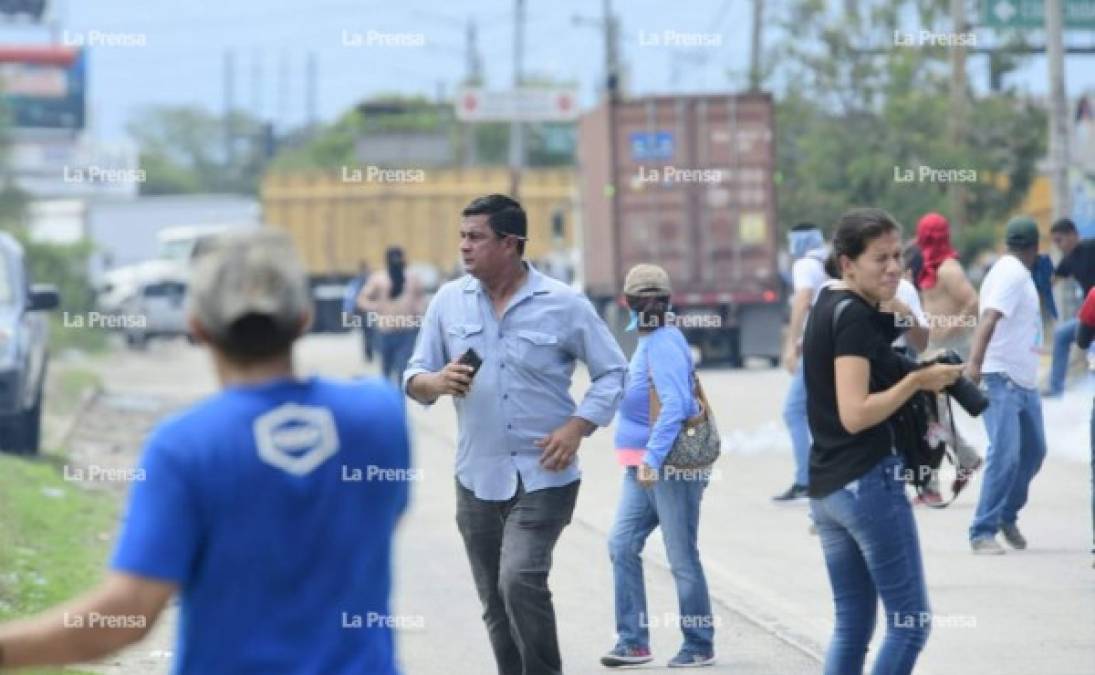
{"x":1031,"y":13}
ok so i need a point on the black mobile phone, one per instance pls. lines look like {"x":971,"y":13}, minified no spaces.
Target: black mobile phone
{"x":471,"y":358}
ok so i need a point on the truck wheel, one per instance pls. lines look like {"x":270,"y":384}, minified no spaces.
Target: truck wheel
{"x":21,"y":433}
{"x":136,"y":340}
{"x":29,"y":428}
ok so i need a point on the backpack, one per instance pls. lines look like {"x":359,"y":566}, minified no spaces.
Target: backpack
{"x":910,"y":426}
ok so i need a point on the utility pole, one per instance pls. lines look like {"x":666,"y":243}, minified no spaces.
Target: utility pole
{"x":283,"y":89}
{"x":1058,"y":109}
{"x":473,"y":77}
{"x":609,"y":26}
{"x":257,"y":98}
{"x":516,"y":130}
{"x":756,"y":46}
{"x":612,"y":52}
{"x":310,"y":92}
{"x":958,"y":111}
{"x":229,"y":107}
{"x":612,"y":96}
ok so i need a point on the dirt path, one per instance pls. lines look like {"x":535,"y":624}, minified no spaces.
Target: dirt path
{"x":103,"y":439}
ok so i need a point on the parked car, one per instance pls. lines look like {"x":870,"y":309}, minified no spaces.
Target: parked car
{"x":24,"y":335}
{"x":152,"y":304}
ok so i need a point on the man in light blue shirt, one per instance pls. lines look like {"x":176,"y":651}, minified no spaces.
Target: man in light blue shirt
{"x":516,"y":470}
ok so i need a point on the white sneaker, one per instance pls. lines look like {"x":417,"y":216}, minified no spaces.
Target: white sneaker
{"x":986,"y":546}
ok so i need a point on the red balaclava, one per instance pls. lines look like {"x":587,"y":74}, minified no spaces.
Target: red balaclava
{"x":933,"y":236}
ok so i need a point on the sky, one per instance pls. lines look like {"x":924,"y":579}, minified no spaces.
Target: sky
{"x":181,"y":59}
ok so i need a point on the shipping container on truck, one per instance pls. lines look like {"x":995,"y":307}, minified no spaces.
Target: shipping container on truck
{"x":686,"y":182}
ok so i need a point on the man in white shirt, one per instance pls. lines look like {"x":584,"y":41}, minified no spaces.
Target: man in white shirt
{"x":1006,"y":348}
{"x":807,"y":247}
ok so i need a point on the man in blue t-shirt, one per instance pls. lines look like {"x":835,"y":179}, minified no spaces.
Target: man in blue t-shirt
{"x":268,"y":507}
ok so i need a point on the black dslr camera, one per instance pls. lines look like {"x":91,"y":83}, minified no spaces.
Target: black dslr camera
{"x":968,"y":395}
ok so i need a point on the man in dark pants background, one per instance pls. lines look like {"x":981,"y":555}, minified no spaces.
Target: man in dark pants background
{"x":519,"y":430}
{"x":1078,"y":262}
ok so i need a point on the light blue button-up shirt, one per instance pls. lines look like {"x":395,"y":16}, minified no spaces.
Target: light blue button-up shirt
{"x":522,"y":391}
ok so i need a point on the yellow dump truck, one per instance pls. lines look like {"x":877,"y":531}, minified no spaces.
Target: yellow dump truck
{"x":340,"y":218}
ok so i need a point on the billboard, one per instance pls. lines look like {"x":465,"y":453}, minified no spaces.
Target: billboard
{"x":43,"y":86}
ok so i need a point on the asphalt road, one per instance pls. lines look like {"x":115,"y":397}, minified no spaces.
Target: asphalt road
{"x":1024,"y":612}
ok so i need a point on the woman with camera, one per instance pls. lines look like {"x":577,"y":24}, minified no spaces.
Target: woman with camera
{"x":865,"y":523}
{"x":655,"y":493}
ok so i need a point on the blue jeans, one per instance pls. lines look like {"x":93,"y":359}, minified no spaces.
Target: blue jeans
{"x":1063,"y":337}
{"x":396,"y":348}
{"x":1017,"y":446}
{"x":674,"y":503}
{"x":794,"y":416}
{"x":868,"y":536}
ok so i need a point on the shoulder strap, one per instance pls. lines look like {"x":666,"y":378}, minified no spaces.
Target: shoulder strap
{"x":838,"y":310}
{"x":655,"y":407}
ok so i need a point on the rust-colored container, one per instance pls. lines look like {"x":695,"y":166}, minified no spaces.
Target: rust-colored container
{"x":687,"y":182}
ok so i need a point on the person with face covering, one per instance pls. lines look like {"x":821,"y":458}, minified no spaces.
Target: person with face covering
{"x":392,"y":304}
{"x":951,"y":303}
{"x":653,"y":494}
{"x":857,"y":497}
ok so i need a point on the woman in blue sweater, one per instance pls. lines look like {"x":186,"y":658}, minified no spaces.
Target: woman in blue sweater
{"x":654,"y":494}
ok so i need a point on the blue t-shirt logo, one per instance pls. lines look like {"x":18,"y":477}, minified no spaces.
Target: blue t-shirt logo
{"x":296,"y":438}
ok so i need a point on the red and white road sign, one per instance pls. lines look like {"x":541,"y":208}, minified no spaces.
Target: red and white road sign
{"x":551,"y":104}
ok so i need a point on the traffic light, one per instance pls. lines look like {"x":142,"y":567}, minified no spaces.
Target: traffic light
{"x":33,"y":8}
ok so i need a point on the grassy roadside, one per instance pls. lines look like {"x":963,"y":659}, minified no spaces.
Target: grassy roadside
{"x":62,"y":337}
{"x":53,"y":538}
{"x":68,"y":390}
{"x":53,"y":534}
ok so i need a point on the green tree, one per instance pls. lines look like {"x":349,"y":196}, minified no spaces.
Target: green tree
{"x":333,"y":145}
{"x":183,"y":149}
{"x":851,"y":114}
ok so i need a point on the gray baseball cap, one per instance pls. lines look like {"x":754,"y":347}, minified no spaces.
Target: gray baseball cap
{"x":255,"y":272}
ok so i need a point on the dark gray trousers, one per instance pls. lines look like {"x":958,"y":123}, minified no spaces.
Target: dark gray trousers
{"x":509,"y":545}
